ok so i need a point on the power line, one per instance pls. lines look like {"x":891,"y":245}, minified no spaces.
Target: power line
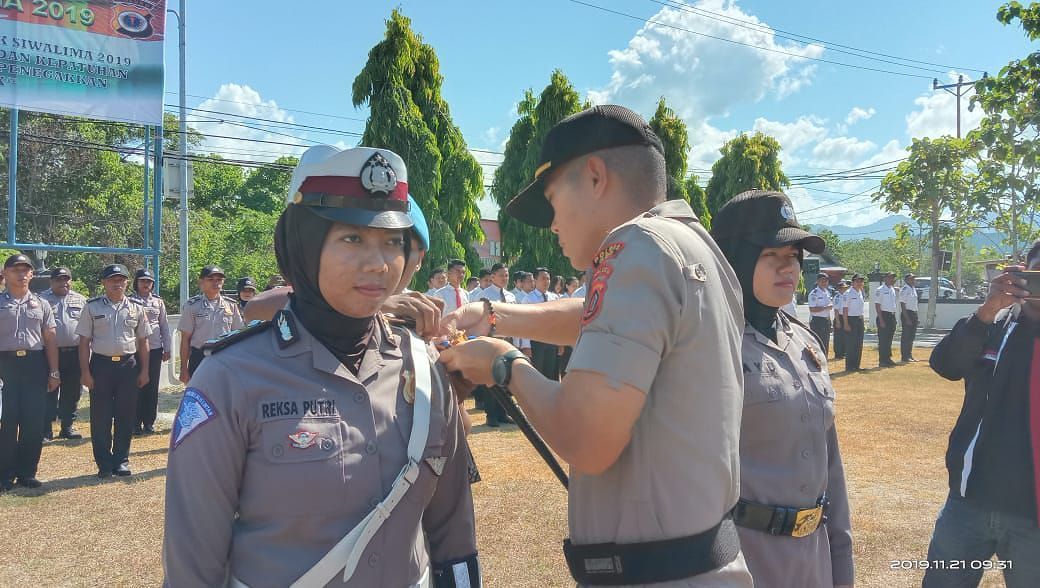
{"x":256,"y":105}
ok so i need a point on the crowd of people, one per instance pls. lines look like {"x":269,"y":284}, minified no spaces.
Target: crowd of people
{"x":697,"y":415}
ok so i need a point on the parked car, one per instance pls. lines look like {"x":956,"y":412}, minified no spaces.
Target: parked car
{"x":924,"y":287}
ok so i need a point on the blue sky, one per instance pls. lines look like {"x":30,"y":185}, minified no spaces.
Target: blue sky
{"x":294,"y":62}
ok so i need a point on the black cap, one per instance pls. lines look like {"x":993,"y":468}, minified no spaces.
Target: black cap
{"x":17,"y":259}
{"x":61,"y":272}
{"x":591,"y":130}
{"x":245,"y":283}
{"x":843,"y":283}
{"x":893,"y":274}
{"x":764,"y":218}
{"x":145,"y":274}
{"x":856,"y":277}
{"x":822,"y":275}
{"x":115,"y":269}
{"x":210,"y":270}
{"x":909,"y":275}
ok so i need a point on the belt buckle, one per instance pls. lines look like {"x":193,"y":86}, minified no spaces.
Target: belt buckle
{"x":807,"y":521}
{"x":21,"y":353}
{"x":117,"y":358}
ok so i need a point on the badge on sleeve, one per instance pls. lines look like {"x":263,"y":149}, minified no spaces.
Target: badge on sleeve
{"x":195,"y":411}
{"x":598,"y":284}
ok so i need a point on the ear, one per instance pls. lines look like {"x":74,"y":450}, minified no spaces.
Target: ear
{"x":597,"y":172}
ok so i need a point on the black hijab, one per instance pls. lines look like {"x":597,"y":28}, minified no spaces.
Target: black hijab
{"x":298,"y":240}
{"x":743,"y":256}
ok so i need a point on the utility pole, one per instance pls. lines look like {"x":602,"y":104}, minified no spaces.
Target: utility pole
{"x":183,"y":148}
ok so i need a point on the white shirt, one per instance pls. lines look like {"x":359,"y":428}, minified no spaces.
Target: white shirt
{"x":447,"y":294}
{"x":839,"y":303}
{"x":886,"y":297}
{"x":534,"y":297}
{"x":495,"y":294}
{"x":431,"y":292}
{"x":519,"y":293}
{"x":580,"y":292}
{"x":854,"y":302}
{"x":820,"y":297}
{"x":476,"y":294}
{"x":908,"y":296}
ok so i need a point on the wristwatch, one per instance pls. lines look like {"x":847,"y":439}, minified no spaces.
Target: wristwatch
{"x":55,"y":374}
{"x":502,"y":368}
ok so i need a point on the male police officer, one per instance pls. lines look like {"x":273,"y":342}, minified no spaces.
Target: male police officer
{"x":853,"y":324}
{"x":839,"y":320}
{"x":648,"y":415}
{"x":67,"y":306}
{"x":908,"y":315}
{"x":206,"y":316}
{"x":885,"y":307}
{"x":28,"y":351}
{"x":246,"y":289}
{"x":159,"y":348}
{"x":113,"y":329}
{"x":544,"y":356}
{"x":820,"y":307}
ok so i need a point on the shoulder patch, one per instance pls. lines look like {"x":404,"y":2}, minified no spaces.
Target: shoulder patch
{"x":287,"y":332}
{"x":608,"y":252}
{"x":229,"y":299}
{"x":597,"y":290}
{"x":194,"y":299}
{"x":195,"y":410}
{"x":230,"y":338}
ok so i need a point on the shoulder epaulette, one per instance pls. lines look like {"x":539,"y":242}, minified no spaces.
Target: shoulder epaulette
{"x":228,"y":339}
{"x":229,"y":299}
{"x":95,"y":299}
{"x":795,"y":320}
{"x":135,"y":300}
{"x":194,"y":299}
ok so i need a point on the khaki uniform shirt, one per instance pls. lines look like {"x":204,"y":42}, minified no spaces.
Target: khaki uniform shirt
{"x":113,"y":327}
{"x":155,"y":309}
{"x":246,"y":493}
{"x":789,"y":457}
{"x":203,"y":319}
{"x":67,"y":310}
{"x":22,"y":322}
{"x":663,"y":314}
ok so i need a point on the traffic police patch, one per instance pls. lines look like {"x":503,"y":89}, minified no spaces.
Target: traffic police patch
{"x":195,"y":411}
{"x":303,"y":439}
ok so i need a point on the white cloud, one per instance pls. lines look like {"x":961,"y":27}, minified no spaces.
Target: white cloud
{"x":857,"y":114}
{"x":243,"y":100}
{"x":936,"y":115}
{"x":793,"y":136}
{"x":840,"y":152}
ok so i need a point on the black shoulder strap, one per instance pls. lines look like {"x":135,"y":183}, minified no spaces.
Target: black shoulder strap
{"x":228,"y":339}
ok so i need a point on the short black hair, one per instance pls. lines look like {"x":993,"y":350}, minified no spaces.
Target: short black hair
{"x":484,"y":272}
{"x":454,"y":263}
{"x":498,"y":266}
{"x":539,"y":270}
{"x":439,"y":270}
{"x":518,"y":275}
{"x":471,"y":280}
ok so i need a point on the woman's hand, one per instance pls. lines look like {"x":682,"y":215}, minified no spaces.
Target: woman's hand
{"x":469,"y":318}
{"x":424,"y":310}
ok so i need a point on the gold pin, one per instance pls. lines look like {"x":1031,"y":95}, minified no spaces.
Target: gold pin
{"x":409,"y":386}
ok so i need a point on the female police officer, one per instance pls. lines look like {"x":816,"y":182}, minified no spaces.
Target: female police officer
{"x":793,"y":514}
{"x":323,"y":448}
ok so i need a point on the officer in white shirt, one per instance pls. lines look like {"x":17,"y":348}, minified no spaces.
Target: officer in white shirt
{"x":820,"y":307}
{"x":885,"y":309}
{"x":544,"y":356}
{"x":839,"y":320}
{"x":853,"y":319}
{"x":580,"y":292}
{"x":498,"y":277}
{"x":436,"y":281}
{"x":453,"y":294}
{"x":908,"y":308}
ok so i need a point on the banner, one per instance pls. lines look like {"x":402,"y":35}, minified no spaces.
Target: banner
{"x":95,"y":58}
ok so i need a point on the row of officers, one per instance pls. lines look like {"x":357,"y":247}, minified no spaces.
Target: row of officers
{"x":55,"y":343}
{"x":845,"y":309}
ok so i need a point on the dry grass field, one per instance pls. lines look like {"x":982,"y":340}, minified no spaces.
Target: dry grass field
{"x":893,"y":424}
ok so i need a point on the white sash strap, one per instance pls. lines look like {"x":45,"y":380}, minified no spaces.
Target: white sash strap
{"x":346,"y":554}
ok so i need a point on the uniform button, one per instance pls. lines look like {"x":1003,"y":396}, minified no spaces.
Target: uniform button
{"x":797,"y":385}
{"x":373,"y":560}
{"x":805,"y":454}
{"x":805,"y":418}
{"x":359,"y":398}
{"x":370,"y":448}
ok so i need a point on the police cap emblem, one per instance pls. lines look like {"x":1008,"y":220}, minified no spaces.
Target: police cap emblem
{"x":787,"y":212}
{"x":378,"y":176}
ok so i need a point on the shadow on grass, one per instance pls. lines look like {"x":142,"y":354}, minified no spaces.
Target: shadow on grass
{"x":873,"y":370}
{"x":84,"y":481}
{"x":156,"y":451}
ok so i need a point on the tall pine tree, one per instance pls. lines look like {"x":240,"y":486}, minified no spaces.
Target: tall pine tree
{"x":401,"y":84}
{"x":748,"y":162}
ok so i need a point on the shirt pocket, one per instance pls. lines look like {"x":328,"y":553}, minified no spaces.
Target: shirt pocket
{"x":153,"y":313}
{"x":75,"y":311}
{"x":301,"y":471}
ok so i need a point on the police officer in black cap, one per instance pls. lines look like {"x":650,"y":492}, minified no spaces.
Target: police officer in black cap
{"x":246,"y":289}
{"x":209,"y":315}
{"x":116,"y":329}
{"x":159,"y":348}
{"x":68,"y":306}
{"x":28,"y":351}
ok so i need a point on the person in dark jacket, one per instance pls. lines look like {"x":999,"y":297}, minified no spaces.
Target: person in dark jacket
{"x":993,"y":457}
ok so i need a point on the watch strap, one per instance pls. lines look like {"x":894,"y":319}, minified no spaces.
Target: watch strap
{"x":504,"y":364}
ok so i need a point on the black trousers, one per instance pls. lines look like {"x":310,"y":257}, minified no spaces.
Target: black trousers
{"x":839,"y":337}
{"x":565,"y":359}
{"x":822,"y":327}
{"x":906,"y":338}
{"x":112,"y":400}
{"x":148,"y":400}
{"x":61,"y":404}
{"x":21,"y":425}
{"x":885,"y":335}
{"x":194,"y":359}
{"x":546,"y":359}
{"x":494,"y":411}
{"x":854,"y":343}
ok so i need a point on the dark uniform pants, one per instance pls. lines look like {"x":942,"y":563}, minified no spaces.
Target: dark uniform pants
{"x":546,"y":359}
{"x":565,"y":359}
{"x":906,"y":338}
{"x":839,"y":337}
{"x":148,"y":401}
{"x":21,"y":425}
{"x":885,"y":335}
{"x":114,"y":398}
{"x":61,"y":403}
{"x":854,"y":343}
{"x":821,"y":325}
{"x":194,"y":359}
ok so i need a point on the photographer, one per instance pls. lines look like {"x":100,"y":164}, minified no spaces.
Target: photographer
{"x":994,"y":453}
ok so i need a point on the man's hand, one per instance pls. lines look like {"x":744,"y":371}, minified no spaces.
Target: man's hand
{"x":425,"y":310}
{"x":469,"y":318}
{"x":881,"y":323}
{"x":53,"y":383}
{"x":166,"y":356}
{"x":1004,"y":290}
{"x":473,"y":359}
{"x":86,"y":380}
{"x":184,"y":376}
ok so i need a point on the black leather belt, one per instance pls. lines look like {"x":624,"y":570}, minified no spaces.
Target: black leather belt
{"x":21,"y":353}
{"x":616,"y":564}
{"x":68,"y":349}
{"x":781,"y":520}
{"x":113,"y":358}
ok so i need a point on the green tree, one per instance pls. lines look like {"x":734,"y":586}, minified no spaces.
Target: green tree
{"x":674,"y":137}
{"x":928,"y":183}
{"x":265,"y":188}
{"x":217,"y":186}
{"x":524,"y":246}
{"x":748,"y":162}
{"x":698,"y":200}
{"x":401,"y":84}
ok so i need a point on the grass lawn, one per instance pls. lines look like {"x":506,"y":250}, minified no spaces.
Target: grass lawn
{"x":893,"y":425}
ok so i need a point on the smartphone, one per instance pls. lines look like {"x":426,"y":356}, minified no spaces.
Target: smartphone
{"x":1032,"y":278}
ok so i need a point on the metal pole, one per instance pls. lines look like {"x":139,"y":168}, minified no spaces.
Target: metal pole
{"x":157,"y":198}
{"x":147,"y":170}
{"x":12,"y":176}
{"x":183,"y":133}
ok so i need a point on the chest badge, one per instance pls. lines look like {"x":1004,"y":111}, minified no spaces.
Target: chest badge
{"x":409,"y":386}
{"x":303,"y":439}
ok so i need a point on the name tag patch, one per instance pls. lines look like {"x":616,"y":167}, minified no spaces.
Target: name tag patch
{"x":195,"y":411}
{"x":314,"y":408}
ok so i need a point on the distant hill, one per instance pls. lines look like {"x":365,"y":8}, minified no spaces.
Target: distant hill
{"x":885,"y":229}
